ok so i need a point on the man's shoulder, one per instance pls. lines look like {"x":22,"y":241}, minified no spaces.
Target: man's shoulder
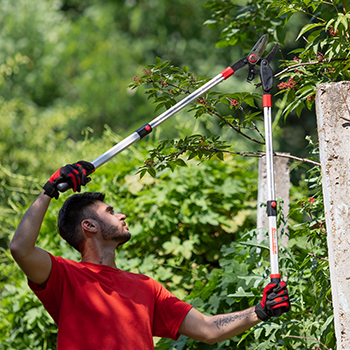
{"x":64,"y":261}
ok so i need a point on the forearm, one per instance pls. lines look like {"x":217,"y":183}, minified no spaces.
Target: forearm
{"x":212,"y":329}
{"x":229,"y":325}
{"x":27,"y":232}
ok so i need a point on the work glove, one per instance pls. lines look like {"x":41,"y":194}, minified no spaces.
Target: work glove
{"x":275,"y":301}
{"x":75,"y":175}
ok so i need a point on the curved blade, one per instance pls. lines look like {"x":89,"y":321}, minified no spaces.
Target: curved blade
{"x":272,"y":54}
{"x":259,"y":48}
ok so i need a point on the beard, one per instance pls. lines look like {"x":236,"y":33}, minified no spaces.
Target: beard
{"x":110,"y":232}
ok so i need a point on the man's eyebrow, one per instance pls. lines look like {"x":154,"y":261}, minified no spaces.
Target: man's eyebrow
{"x":109,"y":208}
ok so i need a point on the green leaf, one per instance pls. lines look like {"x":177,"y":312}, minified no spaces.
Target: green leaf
{"x":159,"y":106}
{"x":158,"y":60}
{"x":151,"y":171}
{"x":298,"y":109}
{"x":329,"y":23}
{"x":221,"y":44}
{"x":164,"y":273}
{"x":308,"y":27}
{"x":314,"y":35}
{"x":328,"y":321}
{"x":220,"y":155}
{"x":338,"y":21}
{"x":344,"y":22}
{"x":211,"y":23}
{"x":257,"y":332}
{"x":180,"y":162}
{"x":173,"y":245}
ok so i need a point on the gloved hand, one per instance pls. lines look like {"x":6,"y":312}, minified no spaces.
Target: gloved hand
{"x":73,"y":174}
{"x":275,"y":301}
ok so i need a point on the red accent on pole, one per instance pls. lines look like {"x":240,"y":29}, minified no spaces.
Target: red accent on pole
{"x":267,"y":100}
{"x":148,"y":127}
{"x":273,"y":204}
{"x":227,"y":72}
{"x":274,"y":243}
{"x":276,"y":275}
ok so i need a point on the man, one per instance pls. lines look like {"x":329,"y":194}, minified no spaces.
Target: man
{"x":96,"y":305}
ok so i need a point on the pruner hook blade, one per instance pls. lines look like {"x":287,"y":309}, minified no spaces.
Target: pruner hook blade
{"x":258,"y":50}
{"x":253,"y":57}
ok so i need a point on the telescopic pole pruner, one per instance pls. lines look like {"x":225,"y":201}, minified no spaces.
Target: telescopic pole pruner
{"x":252,"y":58}
{"x":265,"y":72}
{"x":266,"y":75}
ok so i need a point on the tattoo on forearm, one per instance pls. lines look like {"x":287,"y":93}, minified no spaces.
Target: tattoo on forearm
{"x":223,"y":321}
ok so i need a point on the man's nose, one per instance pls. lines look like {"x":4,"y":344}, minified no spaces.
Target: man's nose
{"x":121,"y":216}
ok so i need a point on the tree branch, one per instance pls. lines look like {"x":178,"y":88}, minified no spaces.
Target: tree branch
{"x":318,"y":257}
{"x":304,"y":160}
{"x":235,"y":128}
{"x":326,"y":60}
{"x":308,"y":338}
{"x":260,"y":154}
{"x":332,"y":4}
{"x":258,"y":131}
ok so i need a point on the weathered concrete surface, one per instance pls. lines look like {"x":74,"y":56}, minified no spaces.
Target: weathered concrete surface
{"x":333,"y":120}
{"x":282,"y":187}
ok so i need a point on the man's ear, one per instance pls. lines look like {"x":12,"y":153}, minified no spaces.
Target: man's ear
{"x":89,"y":225}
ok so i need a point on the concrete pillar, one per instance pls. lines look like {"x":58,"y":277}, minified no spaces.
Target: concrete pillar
{"x":282,"y":187}
{"x":333,"y":121}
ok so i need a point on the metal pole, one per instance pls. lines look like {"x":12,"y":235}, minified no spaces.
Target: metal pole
{"x":137,"y":135}
{"x":147,"y":128}
{"x":271,"y":202}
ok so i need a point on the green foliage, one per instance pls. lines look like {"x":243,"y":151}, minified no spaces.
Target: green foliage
{"x":167,"y":84}
{"x":244,"y":21}
{"x":25,"y":323}
{"x":64,"y":73}
{"x":243,"y":273}
{"x":81,"y":54}
{"x":324,"y":58}
{"x":173,"y":217}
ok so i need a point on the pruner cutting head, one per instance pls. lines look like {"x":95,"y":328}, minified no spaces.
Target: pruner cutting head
{"x":253,"y":57}
{"x":258,"y":50}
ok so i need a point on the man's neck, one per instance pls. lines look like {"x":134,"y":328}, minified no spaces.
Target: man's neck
{"x":100,"y":256}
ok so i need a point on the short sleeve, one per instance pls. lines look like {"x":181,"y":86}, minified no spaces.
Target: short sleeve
{"x":50,"y":296}
{"x":169,"y":313}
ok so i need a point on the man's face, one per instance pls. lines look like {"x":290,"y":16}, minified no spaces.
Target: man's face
{"x":113,"y":226}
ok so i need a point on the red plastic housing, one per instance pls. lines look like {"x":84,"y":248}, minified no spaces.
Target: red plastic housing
{"x":267,"y":100}
{"x":227,"y":72}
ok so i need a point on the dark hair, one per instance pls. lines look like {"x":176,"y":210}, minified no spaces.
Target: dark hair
{"x":74,"y":210}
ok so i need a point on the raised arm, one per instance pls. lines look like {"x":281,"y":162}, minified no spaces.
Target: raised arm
{"x":213,"y":329}
{"x":34,"y":261}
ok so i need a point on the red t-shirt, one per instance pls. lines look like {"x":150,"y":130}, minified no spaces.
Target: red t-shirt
{"x":98,"y":307}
